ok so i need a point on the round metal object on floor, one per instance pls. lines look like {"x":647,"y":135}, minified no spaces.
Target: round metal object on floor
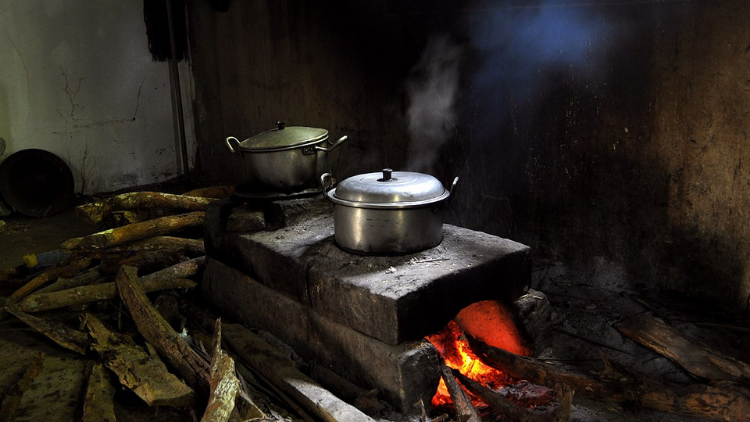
{"x":36,"y":183}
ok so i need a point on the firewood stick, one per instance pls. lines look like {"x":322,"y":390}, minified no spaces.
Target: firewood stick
{"x":138,"y":370}
{"x":91,"y":276}
{"x":215,"y":192}
{"x":224,"y":384}
{"x":282,"y":374}
{"x":96,"y":293}
{"x":13,"y":398}
{"x":181,"y":270}
{"x":143,"y":260}
{"x":98,"y":402}
{"x":465,"y":410}
{"x":160,"y":334}
{"x":56,"y":331}
{"x":721,"y":402}
{"x":67,"y":268}
{"x":136,"y":231}
{"x":560,"y":412}
{"x":698,"y":360}
{"x":94,"y":212}
{"x":156,"y":243}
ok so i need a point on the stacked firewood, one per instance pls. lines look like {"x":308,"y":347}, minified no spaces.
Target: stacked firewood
{"x":150,"y":250}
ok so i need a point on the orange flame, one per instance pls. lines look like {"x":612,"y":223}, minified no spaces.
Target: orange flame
{"x":488,"y":321}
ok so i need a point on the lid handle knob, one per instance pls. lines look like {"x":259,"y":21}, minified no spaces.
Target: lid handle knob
{"x":387,"y":175}
{"x":281,"y":124}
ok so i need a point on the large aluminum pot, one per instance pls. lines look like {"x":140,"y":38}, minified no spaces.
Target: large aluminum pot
{"x":285,"y":159}
{"x":388,"y":212}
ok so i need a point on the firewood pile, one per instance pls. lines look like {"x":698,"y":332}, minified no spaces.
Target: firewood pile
{"x":97,"y":302}
{"x":121,"y":300}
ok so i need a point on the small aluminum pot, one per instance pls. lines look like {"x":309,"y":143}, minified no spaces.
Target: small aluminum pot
{"x":285,"y":159}
{"x":388,"y":212}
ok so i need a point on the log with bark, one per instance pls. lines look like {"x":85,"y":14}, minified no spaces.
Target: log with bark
{"x":12,"y":398}
{"x":215,"y":192}
{"x":96,"y":293}
{"x":465,"y":410}
{"x":145,"y":261}
{"x":141,"y":372}
{"x":224,"y":383}
{"x":721,"y":402}
{"x":67,"y":268}
{"x":90,"y":276}
{"x":98,"y":401}
{"x":160,"y":334}
{"x":56,"y":331}
{"x":136,"y":231}
{"x":94,"y":212}
{"x":156,"y":243}
{"x":697,"y":359}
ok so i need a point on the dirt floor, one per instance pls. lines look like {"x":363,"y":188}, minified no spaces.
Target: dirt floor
{"x":587,"y":302}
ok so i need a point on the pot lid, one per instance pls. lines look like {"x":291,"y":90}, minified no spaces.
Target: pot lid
{"x":389,"y":189}
{"x":284,"y":137}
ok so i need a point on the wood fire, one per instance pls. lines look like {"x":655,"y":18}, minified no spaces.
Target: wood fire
{"x":488,"y":321}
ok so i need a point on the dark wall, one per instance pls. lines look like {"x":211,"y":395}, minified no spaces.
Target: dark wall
{"x":585,"y":130}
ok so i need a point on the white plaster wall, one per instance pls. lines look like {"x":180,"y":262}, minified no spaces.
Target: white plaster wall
{"x":77,"y":79}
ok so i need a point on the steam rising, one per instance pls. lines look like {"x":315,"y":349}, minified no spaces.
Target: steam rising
{"x":514,"y":48}
{"x":432,"y":90}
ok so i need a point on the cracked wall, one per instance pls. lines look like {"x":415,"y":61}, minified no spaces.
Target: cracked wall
{"x":78,"y":80}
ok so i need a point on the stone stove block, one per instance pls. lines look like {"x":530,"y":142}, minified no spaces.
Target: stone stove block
{"x":391,"y":298}
{"x":404,"y":373}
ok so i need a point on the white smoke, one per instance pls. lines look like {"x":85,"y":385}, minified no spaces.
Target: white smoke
{"x":432,"y":89}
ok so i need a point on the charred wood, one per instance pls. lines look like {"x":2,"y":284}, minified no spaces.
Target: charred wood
{"x":465,"y":410}
{"x":721,"y":402}
{"x":554,"y":409}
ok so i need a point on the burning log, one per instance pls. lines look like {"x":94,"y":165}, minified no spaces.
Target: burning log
{"x":67,"y":268}
{"x":94,"y":212}
{"x":224,"y":384}
{"x":264,"y":359}
{"x":13,"y":397}
{"x":721,"y":402}
{"x":137,"y":370}
{"x":56,"y":331}
{"x":98,"y":403}
{"x":136,"y":231}
{"x":96,"y":293}
{"x":159,"y":333}
{"x":465,"y":410}
{"x":549,"y":411}
{"x":698,"y":360}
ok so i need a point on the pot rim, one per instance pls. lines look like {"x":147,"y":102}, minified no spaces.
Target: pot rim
{"x":425,"y":203}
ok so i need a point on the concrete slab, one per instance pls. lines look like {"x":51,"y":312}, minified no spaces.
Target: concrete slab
{"x":391,"y":298}
{"x":403,"y":374}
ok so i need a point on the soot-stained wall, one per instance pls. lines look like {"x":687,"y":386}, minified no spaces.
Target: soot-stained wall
{"x":602,"y":130}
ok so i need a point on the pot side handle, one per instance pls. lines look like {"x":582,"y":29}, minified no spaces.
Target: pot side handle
{"x":334,"y":145}
{"x":451,"y":190}
{"x":233,"y":144}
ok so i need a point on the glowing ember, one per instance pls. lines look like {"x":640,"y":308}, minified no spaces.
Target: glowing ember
{"x":490,"y":322}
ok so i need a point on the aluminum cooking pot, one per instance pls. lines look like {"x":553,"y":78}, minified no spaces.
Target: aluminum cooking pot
{"x":388,"y":212}
{"x":286,"y":158}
